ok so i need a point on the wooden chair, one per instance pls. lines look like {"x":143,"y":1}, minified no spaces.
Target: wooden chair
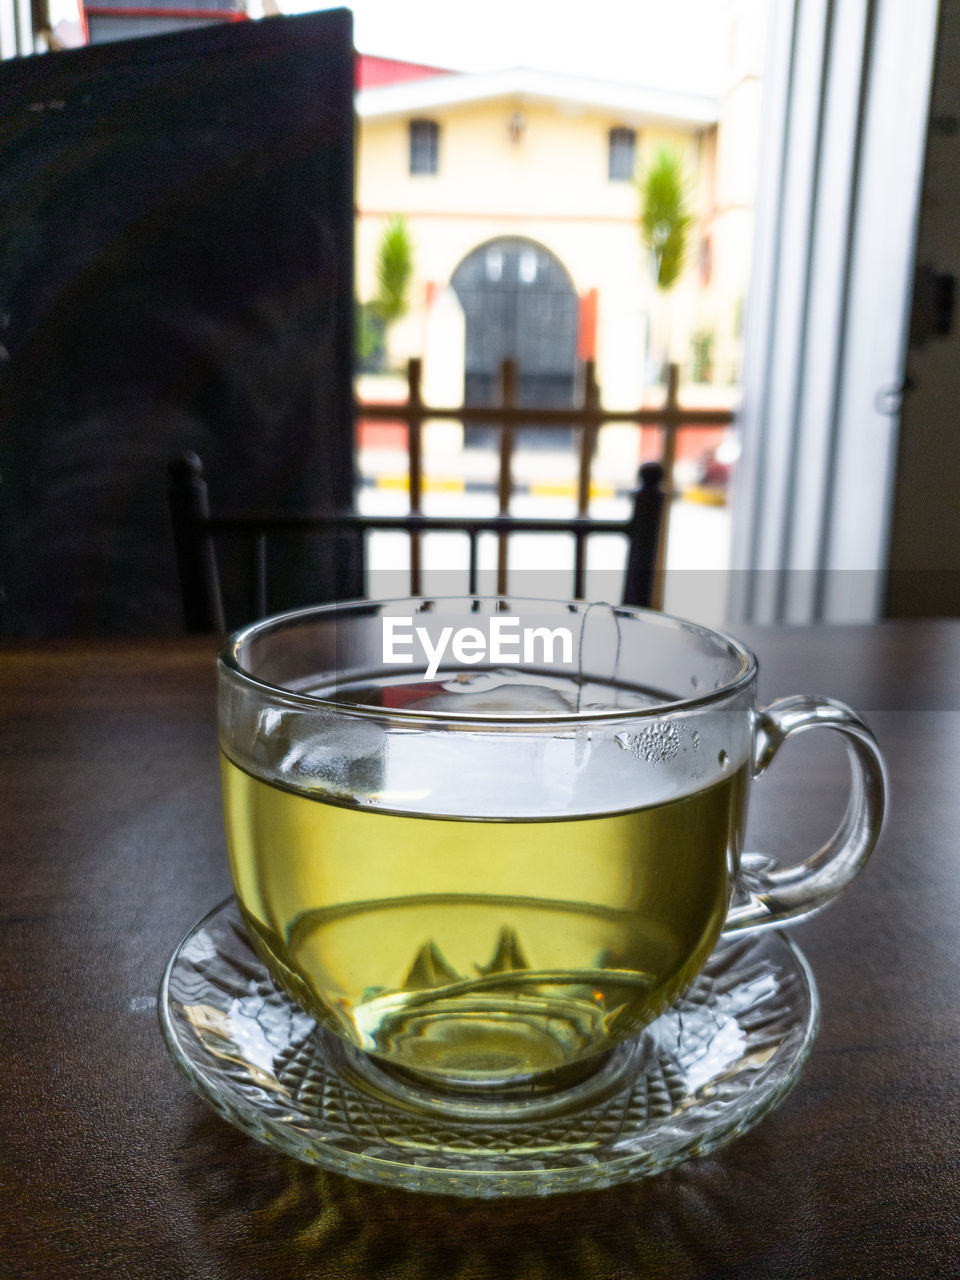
{"x":199,"y":539}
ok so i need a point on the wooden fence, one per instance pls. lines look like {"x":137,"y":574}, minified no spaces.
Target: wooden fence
{"x":585,"y":417}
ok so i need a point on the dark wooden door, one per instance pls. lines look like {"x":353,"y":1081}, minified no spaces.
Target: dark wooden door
{"x":519,"y":304}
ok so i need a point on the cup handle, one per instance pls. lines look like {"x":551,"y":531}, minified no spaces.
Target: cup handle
{"x":782,"y":894}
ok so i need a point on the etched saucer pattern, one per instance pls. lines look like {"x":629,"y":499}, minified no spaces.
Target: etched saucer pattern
{"x":707,"y":1070}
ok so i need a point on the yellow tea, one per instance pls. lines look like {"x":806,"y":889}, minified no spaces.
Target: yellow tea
{"x":480,"y":950}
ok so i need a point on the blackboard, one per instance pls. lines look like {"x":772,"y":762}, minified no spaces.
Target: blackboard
{"x":176,"y":272}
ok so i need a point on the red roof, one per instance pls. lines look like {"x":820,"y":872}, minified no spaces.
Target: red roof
{"x":372,"y":72}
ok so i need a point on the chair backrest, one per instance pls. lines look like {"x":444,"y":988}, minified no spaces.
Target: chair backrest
{"x":202,"y":542}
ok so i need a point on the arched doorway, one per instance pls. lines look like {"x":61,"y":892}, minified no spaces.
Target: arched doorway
{"x":519,"y":304}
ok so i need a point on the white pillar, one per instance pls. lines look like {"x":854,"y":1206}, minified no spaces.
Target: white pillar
{"x":848,"y":87}
{"x":16,"y":29}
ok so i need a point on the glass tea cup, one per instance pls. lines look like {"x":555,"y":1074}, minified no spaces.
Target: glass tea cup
{"x":486,"y":840}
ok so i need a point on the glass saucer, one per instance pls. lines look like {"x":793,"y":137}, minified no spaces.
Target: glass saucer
{"x":703,"y":1073}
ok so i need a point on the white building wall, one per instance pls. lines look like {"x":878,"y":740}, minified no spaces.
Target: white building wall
{"x":550,"y":186}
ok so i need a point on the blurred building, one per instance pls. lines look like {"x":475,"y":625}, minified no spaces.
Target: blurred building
{"x":519,"y":189}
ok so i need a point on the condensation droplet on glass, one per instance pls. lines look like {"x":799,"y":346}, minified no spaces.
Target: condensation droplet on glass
{"x":694,"y":682}
{"x":723,"y":759}
{"x":695,"y":740}
{"x":657,"y":744}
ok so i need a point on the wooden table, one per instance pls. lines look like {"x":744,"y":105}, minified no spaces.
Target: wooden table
{"x":112,"y":846}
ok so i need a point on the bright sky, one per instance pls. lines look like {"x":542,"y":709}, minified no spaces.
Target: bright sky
{"x":659,"y":43}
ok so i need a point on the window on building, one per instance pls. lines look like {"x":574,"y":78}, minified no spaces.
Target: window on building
{"x":424,"y":146}
{"x":623,"y":154}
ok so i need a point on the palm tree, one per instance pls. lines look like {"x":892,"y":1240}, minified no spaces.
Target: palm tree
{"x":665,"y":221}
{"x":394,"y":271}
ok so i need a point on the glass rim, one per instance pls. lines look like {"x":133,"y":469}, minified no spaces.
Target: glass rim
{"x":227,"y":657}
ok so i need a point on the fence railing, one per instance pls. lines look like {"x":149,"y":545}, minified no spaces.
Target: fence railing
{"x":645,"y":530}
{"x":585,"y":417}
